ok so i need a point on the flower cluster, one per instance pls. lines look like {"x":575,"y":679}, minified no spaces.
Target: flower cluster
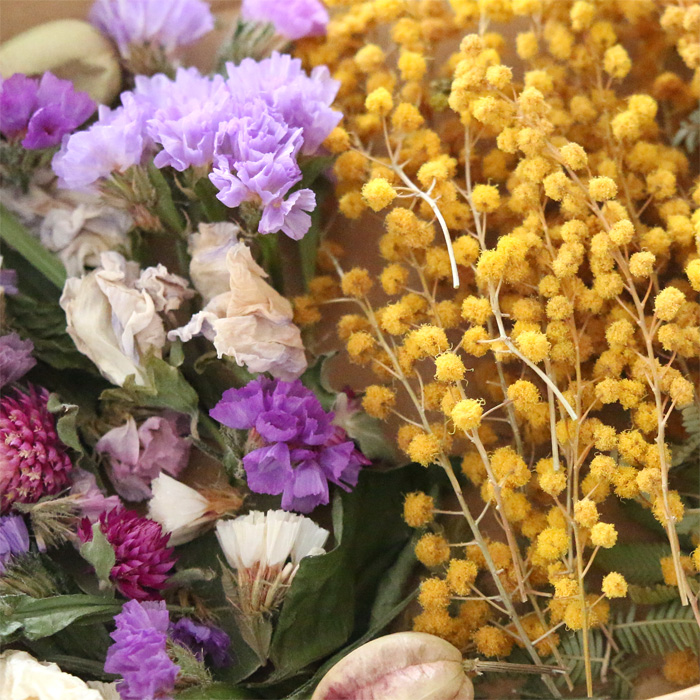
{"x":545,"y":236}
{"x":292,"y":20}
{"x":298,"y":450}
{"x":39,"y":113}
{"x":249,"y":130}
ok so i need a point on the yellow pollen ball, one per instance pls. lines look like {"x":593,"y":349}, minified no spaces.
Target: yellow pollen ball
{"x":431,"y":340}
{"x":406,"y":117}
{"x":412,"y":65}
{"x":491,"y":641}
{"x":552,"y":543}
{"x":424,"y":449}
{"x":369,"y":58}
{"x":461,"y":574}
{"x":434,"y":593}
{"x":681,"y":667}
{"x":668,"y":302}
{"x":486,"y":198}
{"x":614,"y":585}
{"x":693,"y":273}
{"x":574,"y":156}
{"x":603,"y":535}
{"x":622,"y":232}
{"x":379,"y":102}
{"x":338,"y":140}
{"x":378,"y":193}
{"x":449,"y":368}
{"x":616,"y":62}
{"x":466,"y":414}
{"x":602,"y":188}
{"x":378,"y":401}
{"x":534,"y":345}
{"x":418,"y":509}
{"x":586,"y":512}
{"x":356,"y":283}
{"x":642,"y":264}
{"x":476,"y":310}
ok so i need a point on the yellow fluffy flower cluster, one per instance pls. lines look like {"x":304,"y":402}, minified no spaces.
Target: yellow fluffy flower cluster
{"x":537,"y":315}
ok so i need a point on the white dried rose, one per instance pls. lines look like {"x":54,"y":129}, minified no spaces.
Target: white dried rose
{"x":401,"y":666}
{"x":108,"y":691}
{"x":22,"y":677}
{"x":250,"y":322}
{"x":168,"y":291}
{"x":112,"y":321}
{"x":208,"y":248}
{"x":180,"y":509}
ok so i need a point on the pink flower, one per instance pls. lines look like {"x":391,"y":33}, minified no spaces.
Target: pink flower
{"x":33,"y":461}
{"x":137,"y":456}
{"x":143,"y":558}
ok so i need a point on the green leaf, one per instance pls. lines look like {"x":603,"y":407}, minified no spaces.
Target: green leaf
{"x":165,"y":206}
{"x":216,"y":691}
{"x":42,"y":617}
{"x":214,"y":209}
{"x":316,"y":379}
{"x":43,"y":321}
{"x":666,"y":627}
{"x":66,"y":426}
{"x":331,"y":596}
{"x":100,"y":553}
{"x":166,"y":388}
{"x":308,"y":245}
{"x":638,"y":562}
{"x":652,"y":595}
{"x":15,"y":235}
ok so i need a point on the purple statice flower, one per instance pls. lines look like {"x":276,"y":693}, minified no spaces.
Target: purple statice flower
{"x":204,"y":641}
{"x":33,"y":461}
{"x":303,"y":101}
{"x":8,"y":281}
{"x":138,"y":455}
{"x":41,"y":112}
{"x":155,"y":22}
{"x":115,"y":142}
{"x":299,"y":450}
{"x":185,"y":123}
{"x":143,"y":558}
{"x":292,"y":19}
{"x":139,"y":653}
{"x":14,"y":538}
{"x":15,"y":358}
{"x":256,"y":159}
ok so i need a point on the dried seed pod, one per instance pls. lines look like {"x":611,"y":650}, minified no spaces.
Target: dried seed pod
{"x":401,"y":666}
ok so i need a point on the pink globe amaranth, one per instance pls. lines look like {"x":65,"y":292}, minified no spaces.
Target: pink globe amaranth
{"x":143,"y":558}
{"x":33,"y":461}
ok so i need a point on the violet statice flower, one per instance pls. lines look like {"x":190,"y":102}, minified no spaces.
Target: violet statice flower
{"x":8,"y":281}
{"x":300,"y":448}
{"x":256,"y":159}
{"x":304,"y":101}
{"x":14,"y":538}
{"x":33,"y":461}
{"x":139,"y":653}
{"x":143,"y":558}
{"x":138,"y":455}
{"x":15,"y":358}
{"x":41,"y":112}
{"x":292,"y":19}
{"x":206,"y":642}
{"x":166,"y":24}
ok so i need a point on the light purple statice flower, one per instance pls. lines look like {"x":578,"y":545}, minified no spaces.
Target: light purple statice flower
{"x":206,"y":642}
{"x":139,"y":653}
{"x":256,"y":160}
{"x":137,"y":456}
{"x":115,"y":142}
{"x":143,"y":558}
{"x":301,"y":450}
{"x":14,"y":538}
{"x":41,"y":112}
{"x":8,"y":281}
{"x":15,"y":358}
{"x":167,"y":24}
{"x":292,"y":19}
{"x":304,"y":101}
{"x":187,"y":118}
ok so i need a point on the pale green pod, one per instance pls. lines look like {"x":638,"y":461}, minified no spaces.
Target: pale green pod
{"x":70,"y":49}
{"x":401,"y":666}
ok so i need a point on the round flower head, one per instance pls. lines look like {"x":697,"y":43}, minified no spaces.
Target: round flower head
{"x":165,"y":24}
{"x":143,"y":558}
{"x":33,"y":461}
{"x":204,"y":641}
{"x":292,"y":19}
{"x":302,"y":450}
{"x":14,"y":539}
{"x":139,"y":653}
